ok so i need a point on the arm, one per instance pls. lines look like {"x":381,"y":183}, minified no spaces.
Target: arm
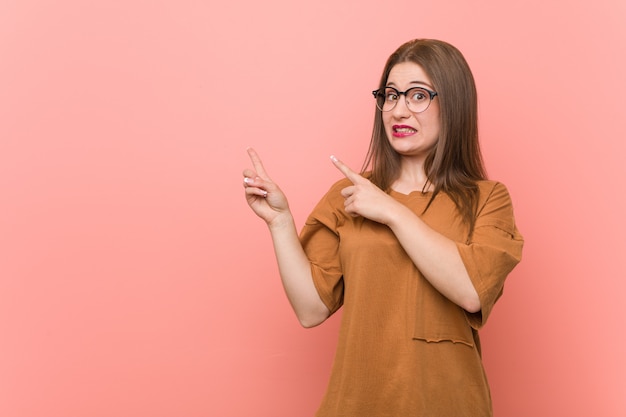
{"x":436,"y":256}
{"x":269,"y":203}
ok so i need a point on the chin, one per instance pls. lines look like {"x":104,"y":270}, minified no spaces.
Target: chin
{"x":406,"y":150}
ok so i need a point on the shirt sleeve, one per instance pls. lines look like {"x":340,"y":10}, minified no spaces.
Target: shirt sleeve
{"x":320,"y":240}
{"x":492,"y":251}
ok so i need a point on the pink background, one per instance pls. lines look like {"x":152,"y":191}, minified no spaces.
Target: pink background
{"x":134,"y":280}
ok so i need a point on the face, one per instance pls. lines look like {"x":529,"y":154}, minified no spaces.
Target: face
{"x":411,"y":134}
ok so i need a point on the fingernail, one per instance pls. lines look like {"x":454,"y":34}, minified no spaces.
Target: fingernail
{"x":247,"y":180}
{"x":332,"y":158}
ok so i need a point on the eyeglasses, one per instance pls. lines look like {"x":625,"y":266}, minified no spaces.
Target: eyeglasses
{"x":417,"y":98}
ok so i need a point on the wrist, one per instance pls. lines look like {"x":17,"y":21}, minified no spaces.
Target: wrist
{"x":281,"y":221}
{"x":397,"y":215}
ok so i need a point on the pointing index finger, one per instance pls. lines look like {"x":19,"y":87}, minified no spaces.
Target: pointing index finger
{"x":345,"y":170}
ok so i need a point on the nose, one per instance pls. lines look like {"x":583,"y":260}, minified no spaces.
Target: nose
{"x":401,"y":110}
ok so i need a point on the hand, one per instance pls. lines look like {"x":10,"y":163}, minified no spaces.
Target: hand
{"x":363,"y":198}
{"x":264,"y":197}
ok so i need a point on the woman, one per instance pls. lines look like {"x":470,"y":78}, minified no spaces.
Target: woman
{"x":415,"y":250}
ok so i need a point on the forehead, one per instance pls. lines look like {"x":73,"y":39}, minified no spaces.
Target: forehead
{"x":406,"y":74}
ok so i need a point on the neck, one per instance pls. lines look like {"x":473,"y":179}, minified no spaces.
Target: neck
{"x":412,"y":177}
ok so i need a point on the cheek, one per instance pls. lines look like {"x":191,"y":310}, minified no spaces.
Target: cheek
{"x":386,"y":121}
{"x":437,"y":126}
{"x":431,"y":123}
{"x":434,"y":127}
{"x":435,"y":119}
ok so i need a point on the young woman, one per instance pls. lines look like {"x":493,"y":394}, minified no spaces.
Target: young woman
{"x":416,"y":249}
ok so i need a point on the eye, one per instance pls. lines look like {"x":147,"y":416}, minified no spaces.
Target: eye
{"x":391,"y":95}
{"x":418,"y":95}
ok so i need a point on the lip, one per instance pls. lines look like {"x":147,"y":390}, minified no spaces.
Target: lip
{"x":402,"y":131}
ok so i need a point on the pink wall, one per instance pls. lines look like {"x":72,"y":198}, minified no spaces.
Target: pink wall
{"x":134,"y":281}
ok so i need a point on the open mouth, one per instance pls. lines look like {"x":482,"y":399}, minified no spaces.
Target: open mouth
{"x":403,"y":130}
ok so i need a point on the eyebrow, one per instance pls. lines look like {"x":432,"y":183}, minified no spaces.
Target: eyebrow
{"x":413,"y":82}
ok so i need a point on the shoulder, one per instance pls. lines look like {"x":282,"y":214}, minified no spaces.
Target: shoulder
{"x":331,"y":205}
{"x":489,"y":189}
{"x":340,"y":185}
{"x":495,"y":203}
{"x":488,"y":186}
{"x":333,"y":196}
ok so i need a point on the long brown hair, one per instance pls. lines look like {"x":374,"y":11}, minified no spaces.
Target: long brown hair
{"x":455,"y":163}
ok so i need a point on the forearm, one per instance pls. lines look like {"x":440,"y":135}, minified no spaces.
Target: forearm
{"x":295,"y":273}
{"x":436,"y":256}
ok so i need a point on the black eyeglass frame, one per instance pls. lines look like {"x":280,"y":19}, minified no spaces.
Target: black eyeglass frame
{"x":376,"y":93}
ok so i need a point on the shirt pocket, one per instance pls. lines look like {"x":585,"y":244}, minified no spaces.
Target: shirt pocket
{"x":438,"y":319}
